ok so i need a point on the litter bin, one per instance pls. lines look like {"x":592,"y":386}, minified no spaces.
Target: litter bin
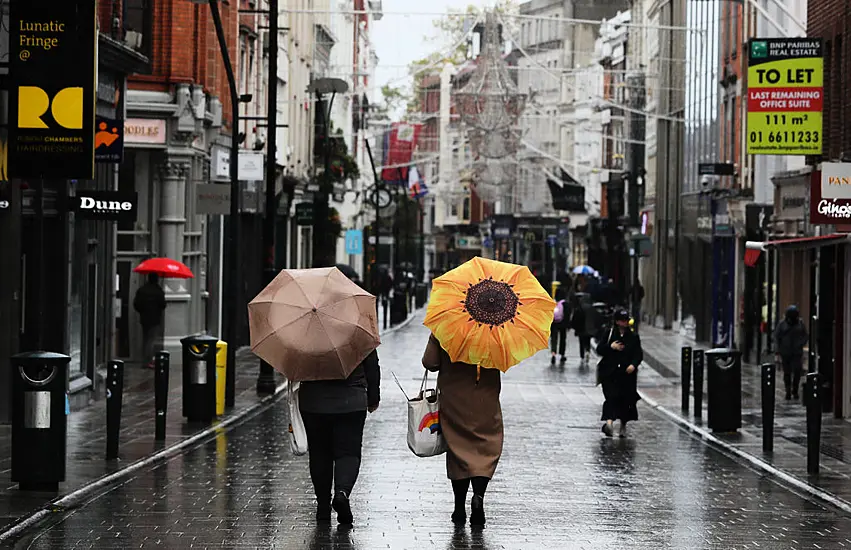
{"x":199,"y":378}
{"x":221,"y":376}
{"x":399,"y":307}
{"x":39,"y":421}
{"x":422,"y":294}
{"x":724,"y":389}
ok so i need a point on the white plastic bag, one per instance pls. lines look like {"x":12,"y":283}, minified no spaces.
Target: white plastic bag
{"x":425,"y":437}
{"x":298,"y":435}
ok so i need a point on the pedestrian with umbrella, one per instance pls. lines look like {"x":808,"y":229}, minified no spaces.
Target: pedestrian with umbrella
{"x":621,"y":354}
{"x":320,"y":330}
{"x":149,"y":301}
{"x":485,"y":317}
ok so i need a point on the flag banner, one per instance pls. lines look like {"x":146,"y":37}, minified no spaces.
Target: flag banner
{"x":416,"y":184}
{"x":399,"y":145}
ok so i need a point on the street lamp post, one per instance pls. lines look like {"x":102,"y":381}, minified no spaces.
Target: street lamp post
{"x":320,"y":87}
{"x":232,"y":256}
{"x":266,"y":378}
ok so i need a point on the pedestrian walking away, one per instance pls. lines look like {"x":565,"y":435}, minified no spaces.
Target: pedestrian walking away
{"x":319,"y":328}
{"x":471,"y":314}
{"x":334,"y":413}
{"x":150,"y":304}
{"x":471,"y":421}
{"x":621,"y":354}
{"x":791,"y":338}
{"x":582,"y":323}
{"x":558,"y":331}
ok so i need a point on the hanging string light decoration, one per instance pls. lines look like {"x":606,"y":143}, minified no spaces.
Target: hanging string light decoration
{"x":490,"y":104}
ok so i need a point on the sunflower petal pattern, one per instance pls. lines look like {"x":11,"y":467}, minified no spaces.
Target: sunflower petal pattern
{"x":490,"y":313}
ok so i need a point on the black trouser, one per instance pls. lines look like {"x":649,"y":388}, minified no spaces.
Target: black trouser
{"x":584,"y":345}
{"x":792,"y":370}
{"x":460,"y":487}
{"x":558,"y":339}
{"x":150,"y":339}
{"x":334,"y":447}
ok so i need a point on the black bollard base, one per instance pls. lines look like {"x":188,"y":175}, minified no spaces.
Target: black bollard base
{"x":39,"y":487}
{"x":768,"y":401}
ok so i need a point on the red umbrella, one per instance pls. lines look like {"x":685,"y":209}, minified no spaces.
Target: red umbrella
{"x":166,"y":268}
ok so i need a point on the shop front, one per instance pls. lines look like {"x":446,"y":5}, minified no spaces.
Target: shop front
{"x":695,"y":267}
{"x":172,"y":150}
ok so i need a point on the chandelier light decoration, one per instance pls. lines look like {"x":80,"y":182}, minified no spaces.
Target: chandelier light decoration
{"x":490,"y":104}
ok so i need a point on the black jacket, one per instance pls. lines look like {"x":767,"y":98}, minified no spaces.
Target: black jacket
{"x":790,"y":338}
{"x":613,"y":364}
{"x":149,"y":302}
{"x":362,"y":389}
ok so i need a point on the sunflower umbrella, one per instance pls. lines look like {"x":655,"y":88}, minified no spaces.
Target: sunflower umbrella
{"x":491,"y":314}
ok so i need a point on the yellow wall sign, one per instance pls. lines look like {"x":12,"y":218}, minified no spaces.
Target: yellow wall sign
{"x":785,"y":96}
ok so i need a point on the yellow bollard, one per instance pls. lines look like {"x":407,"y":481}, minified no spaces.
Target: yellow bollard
{"x":555,"y":285}
{"x":221,"y":375}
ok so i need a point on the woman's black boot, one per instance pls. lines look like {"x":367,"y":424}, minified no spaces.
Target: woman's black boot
{"x":343,"y":507}
{"x":477,"y":512}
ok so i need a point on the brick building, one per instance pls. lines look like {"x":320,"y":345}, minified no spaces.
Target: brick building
{"x":177,"y":137}
{"x":57,"y":284}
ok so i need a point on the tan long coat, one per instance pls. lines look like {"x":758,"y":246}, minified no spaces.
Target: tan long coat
{"x":470,"y":414}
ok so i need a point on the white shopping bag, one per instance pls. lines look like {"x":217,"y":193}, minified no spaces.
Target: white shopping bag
{"x":298,"y":435}
{"x":425,"y":436}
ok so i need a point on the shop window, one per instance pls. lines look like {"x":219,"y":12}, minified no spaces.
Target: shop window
{"x":138,"y":25}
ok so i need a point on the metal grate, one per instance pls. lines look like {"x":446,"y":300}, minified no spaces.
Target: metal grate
{"x":826,"y":448}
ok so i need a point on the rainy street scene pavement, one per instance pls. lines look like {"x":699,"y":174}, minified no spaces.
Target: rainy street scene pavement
{"x":560,"y":483}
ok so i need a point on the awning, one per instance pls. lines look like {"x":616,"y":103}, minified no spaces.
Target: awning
{"x":753,"y":248}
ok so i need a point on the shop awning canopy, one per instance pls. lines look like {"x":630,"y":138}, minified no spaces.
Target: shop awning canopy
{"x":754,"y":248}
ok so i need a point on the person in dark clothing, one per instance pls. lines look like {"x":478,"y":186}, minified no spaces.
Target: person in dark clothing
{"x":621,"y":353}
{"x":791,"y":337}
{"x":150,"y":303}
{"x":582,"y":322}
{"x":334,"y":413}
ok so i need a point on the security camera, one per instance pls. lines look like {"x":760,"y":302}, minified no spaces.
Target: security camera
{"x":708,"y":182}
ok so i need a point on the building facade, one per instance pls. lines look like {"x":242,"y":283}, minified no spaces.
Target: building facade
{"x":58,"y":293}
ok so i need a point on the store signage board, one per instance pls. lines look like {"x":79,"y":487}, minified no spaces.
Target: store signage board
{"x":213,"y":199}
{"x":52,"y":64}
{"x":145,"y":131}
{"x":304,"y":213}
{"x":109,"y":140}
{"x":785,"y":96}
{"x":830,"y":194}
{"x":106,"y":205}
{"x":251,"y":166}
{"x":354,"y":242}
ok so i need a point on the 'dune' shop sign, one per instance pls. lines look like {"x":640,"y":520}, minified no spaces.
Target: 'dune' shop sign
{"x":52,"y":94}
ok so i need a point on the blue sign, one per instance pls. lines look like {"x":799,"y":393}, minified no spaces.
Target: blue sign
{"x":552,"y":240}
{"x":354,"y":241}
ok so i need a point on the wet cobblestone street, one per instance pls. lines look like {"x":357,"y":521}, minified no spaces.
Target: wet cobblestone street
{"x":560,"y":484}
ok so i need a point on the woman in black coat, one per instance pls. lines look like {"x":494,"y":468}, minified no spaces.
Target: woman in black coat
{"x":334,"y":414}
{"x":621,"y":353}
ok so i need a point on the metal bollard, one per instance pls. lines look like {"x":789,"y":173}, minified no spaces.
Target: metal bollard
{"x":114,"y":399}
{"x":697,"y":365}
{"x":769,"y":384}
{"x":813,"y":402}
{"x":385,"y":304}
{"x":685,"y":377}
{"x":162,"y":361}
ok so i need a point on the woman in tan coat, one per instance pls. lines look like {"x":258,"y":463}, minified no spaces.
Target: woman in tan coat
{"x":471,"y":421}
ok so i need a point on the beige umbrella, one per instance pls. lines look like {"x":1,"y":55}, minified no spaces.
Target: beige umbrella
{"x":313,"y":324}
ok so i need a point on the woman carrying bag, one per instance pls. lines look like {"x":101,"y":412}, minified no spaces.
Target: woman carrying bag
{"x":471,"y":422}
{"x":621,"y":353}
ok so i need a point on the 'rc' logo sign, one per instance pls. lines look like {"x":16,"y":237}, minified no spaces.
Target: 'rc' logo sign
{"x":66,"y":107}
